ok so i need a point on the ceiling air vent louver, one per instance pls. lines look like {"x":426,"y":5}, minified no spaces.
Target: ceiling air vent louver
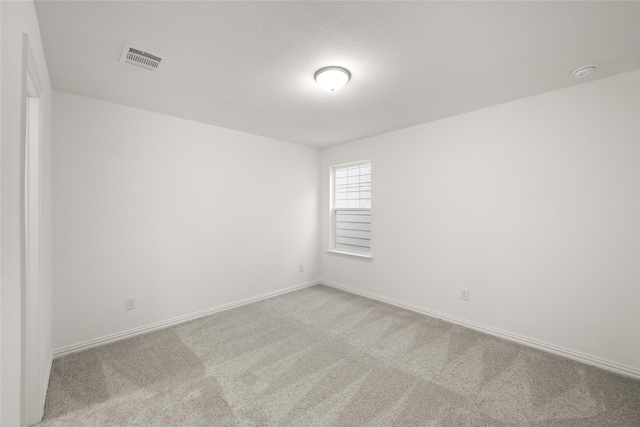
{"x":140,"y":58}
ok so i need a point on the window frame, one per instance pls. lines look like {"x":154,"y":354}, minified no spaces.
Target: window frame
{"x":333,"y":209}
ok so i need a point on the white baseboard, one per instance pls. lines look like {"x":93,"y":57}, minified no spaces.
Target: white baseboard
{"x":63,"y":351}
{"x":551,"y":348}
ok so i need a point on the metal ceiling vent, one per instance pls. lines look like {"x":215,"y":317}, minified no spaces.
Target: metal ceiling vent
{"x":141,"y":58}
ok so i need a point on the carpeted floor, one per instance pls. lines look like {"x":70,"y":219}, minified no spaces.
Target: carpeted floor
{"x":323,"y":357}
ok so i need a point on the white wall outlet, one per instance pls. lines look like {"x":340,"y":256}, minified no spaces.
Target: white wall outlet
{"x":464,"y":294}
{"x":130,"y":303}
{"x":300,"y":268}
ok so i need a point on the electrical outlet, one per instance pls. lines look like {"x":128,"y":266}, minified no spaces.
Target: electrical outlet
{"x":300,"y":268}
{"x":130,"y":303}
{"x":464,"y":294}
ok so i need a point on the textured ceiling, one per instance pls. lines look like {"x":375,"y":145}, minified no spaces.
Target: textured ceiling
{"x":249,"y":65}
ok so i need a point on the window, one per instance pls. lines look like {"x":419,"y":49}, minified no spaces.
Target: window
{"x":351,"y":208}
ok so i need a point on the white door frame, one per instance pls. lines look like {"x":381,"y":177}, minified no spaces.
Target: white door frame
{"x":32,"y":397}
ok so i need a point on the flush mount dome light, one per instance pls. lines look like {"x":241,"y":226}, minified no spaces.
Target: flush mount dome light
{"x":332,"y":79}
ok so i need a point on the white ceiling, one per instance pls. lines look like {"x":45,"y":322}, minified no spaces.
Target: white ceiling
{"x":249,"y":65}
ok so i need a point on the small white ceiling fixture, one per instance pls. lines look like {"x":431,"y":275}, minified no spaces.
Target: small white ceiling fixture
{"x":332,"y":79}
{"x":583,"y":71}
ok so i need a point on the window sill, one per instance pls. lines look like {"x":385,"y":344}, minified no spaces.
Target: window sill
{"x":352,"y":254}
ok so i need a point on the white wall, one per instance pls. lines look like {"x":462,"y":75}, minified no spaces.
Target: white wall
{"x":18,"y":18}
{"x":533,"y":205}
{"x":182,"y":215}
{"x":1,"y":349}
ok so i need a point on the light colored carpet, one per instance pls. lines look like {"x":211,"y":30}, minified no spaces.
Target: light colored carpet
{"x":323,"y":357}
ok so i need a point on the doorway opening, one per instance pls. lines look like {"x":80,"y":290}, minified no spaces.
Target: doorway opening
{"x":33,"y":394}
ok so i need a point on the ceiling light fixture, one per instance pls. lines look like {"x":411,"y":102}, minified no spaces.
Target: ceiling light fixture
{"x":332,"y":79}
{"x":583,"y":71}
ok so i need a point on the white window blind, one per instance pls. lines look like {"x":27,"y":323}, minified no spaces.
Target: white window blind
{"x":352,"y":208}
